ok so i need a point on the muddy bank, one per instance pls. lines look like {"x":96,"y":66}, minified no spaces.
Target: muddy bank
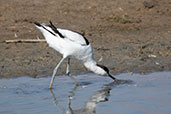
{"x":128,"y":36}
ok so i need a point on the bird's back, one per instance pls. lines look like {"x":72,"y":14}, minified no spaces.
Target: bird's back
{"x":66,"y":42}
{"x":74,"y":36}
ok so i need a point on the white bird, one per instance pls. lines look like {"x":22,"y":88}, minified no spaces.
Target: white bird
{"x":71,"y":45}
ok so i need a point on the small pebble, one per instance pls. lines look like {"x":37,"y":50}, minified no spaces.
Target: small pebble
{"x":148,"y":4}
{"x":135,"y":85}
{"x":156,"y":63}
{"x":151,"y":55}
{"x":15,"y":35}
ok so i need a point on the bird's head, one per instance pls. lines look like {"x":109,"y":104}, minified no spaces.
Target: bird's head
{"x":105,"y":71}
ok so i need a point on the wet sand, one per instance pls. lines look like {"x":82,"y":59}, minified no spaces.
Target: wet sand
{"x":128,"y":35}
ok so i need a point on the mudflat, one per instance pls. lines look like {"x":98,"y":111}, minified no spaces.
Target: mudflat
{"x":127,"y":36}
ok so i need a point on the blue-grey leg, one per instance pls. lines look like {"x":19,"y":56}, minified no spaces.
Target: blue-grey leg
{"x":67,"y":69}
{"x":54,"y":72}
{"x":69,"y":74}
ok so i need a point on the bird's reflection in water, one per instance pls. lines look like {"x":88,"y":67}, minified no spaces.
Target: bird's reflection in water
{"x":91,"y":104}
{"x":117,"y":82}
{"x":56,"y":102}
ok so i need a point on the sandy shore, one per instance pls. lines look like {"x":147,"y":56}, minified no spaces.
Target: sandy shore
{"x":129,"y":36}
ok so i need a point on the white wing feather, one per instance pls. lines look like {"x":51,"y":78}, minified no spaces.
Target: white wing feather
{"x":73,"y":36}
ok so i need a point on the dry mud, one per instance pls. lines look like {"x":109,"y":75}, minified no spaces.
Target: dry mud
{"x":129,"y":36}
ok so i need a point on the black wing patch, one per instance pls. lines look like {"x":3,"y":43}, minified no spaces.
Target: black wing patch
{"x":39,"y":25}
{"x":87,"y":42}
{"x":49,"y":31}
{"x":55,"y":29}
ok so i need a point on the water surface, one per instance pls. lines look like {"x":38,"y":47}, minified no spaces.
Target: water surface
{"x":131,"y":94}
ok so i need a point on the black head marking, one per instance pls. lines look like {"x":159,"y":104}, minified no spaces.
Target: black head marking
{"x":55,"y":29}
{"x":107,"y":71}
{"x":104,"y":68}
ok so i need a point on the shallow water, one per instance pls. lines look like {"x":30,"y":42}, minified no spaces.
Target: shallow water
{"x":134,"y":94}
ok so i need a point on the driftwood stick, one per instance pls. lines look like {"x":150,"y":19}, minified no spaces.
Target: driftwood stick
{"x":25,"y":41}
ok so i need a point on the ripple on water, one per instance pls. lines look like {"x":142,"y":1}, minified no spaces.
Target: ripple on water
{"x":129,"y":94}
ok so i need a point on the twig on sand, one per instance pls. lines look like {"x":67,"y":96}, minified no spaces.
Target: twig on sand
{"x":25,"y":41}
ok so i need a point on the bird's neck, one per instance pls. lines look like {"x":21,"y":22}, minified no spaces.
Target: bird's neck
{"x":92,"y":66}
